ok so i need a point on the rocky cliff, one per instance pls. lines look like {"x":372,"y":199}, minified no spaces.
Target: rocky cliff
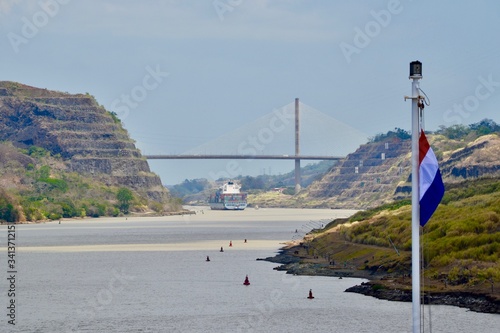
{"x":366,"y":177}
{"x":480,"y":157}
{"x":380,"y":172}
{"x":89,"y":139}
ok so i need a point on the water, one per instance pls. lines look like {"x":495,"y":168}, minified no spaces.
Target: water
{"x":150,"y":275}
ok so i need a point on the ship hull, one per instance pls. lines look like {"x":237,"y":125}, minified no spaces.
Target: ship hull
{"x":228,"y":197}
{"x":223,"y":206}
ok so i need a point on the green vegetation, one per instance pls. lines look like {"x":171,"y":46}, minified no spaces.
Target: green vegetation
{"x":37,"y":152}
{"x":454,"y":132}
{"x":189,"y":187}
{"x":366,"y":214}
{"x":457,"y":132}
{"x":124,"y":197}
{"x":461,"y":242}
{"x":8,"y":210}
{"x":397,"y":133}
{"x":38,"y":188}
{"x":114,"y":115}
{"x":55,"y":194}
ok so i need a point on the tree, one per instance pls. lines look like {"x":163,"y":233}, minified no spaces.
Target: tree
{"x":8,"y":211}
{"x":124,"y":197}
{"x":485,"y":126}
{"x":454,"y":132}
{"x":397,"y":133}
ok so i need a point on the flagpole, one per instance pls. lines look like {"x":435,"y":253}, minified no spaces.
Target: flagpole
{"x":415,"y":76}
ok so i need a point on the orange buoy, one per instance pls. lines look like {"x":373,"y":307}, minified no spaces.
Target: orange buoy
{"x":208,"y":258}
{"x":246,"y":283}
{"x":230,"y":243}
{"x":310,"y":294}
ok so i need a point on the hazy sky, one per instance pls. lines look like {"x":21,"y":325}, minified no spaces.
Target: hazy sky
{"x":181,"y":73}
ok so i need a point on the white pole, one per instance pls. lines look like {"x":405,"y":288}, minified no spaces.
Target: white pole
{"x":415,"y":205}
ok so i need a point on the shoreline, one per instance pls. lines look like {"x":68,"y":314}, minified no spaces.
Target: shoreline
{"x":380,"y":284}
{"x":89,"y":218}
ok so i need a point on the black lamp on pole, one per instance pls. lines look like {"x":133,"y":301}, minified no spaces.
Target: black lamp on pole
{"x":415,"y":68}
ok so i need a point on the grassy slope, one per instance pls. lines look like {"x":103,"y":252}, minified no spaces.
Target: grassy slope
{"x":461,"y":242}
{"x":35,"y":186}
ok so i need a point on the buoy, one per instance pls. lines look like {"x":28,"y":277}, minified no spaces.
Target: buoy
{"x":221,"y":249}
{"x":208,"y":258}
{"x":246,"y":283}
{"x":230,"y":243}
{"x":310,"y":294}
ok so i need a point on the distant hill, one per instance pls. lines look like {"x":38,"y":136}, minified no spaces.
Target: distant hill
{"x":380,"y":171}
{"x":54,"y":141}
{"x":196,"y":191}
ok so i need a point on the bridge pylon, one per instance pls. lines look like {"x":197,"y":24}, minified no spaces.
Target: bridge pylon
{"x":297,"y":147}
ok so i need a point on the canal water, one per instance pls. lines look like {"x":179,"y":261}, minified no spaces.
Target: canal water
{"x":151,"y":275}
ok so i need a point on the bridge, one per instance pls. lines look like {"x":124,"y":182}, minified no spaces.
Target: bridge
{"x":296,"y":157}
{"x":242,"y":157}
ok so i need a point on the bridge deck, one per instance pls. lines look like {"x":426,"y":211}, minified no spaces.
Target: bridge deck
{"x":242,"y":157}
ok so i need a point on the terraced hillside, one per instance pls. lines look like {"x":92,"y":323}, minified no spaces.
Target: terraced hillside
{"x":88,"y":138}
{"x":366,"y":176}
{"x":380,"y":172}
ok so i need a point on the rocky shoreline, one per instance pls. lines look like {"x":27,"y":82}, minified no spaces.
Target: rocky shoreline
{"x":471,"y":301}
{"x":379,"y":285}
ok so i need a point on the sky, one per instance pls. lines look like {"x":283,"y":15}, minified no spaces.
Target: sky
{"x":185,"y":74}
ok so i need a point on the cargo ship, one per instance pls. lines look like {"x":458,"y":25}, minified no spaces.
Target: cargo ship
{"x":228,"y":197}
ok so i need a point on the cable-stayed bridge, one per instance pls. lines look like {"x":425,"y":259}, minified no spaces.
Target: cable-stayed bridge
{"x":242,"y":157}
{"x":273,"y":128}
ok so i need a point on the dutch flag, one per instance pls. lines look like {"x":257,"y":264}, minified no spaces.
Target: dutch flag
{"x":430,"y":183}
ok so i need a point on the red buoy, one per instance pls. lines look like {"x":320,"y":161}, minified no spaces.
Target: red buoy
{"x":310,"y":294}
{"x":230,"y":243}
{"x":246,"y":283}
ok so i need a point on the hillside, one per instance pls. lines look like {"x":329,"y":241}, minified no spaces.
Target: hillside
{"x":197,"y":191}
{"x":367,"y":177}
{"x":379,"y":171}
{"x":54,"y":138}
{"x":461,"y":247}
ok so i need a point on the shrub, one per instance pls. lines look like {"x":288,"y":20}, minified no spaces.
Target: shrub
{"x":8,"y":209}
{"x":124,"y":197}
{"x":58,"y":184}
{"x":54,"y":216}
{"x":68,"y":208}
{"x":37,"y":152}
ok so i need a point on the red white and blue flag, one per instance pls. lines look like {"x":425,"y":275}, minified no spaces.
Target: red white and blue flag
{"x":430,"y":182}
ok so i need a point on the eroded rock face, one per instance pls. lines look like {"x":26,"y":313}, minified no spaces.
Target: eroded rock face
{"x":82,"y":132}
{"x":367,"y":177}
{"x":380,"y":172}
{"x":479,"y":158}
